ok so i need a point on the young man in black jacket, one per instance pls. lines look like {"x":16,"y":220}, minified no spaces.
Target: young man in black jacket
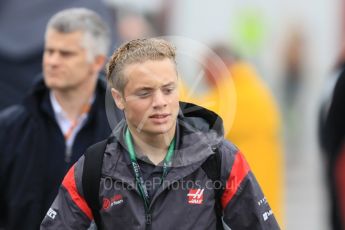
{"x":155,"y":171}
{"x":41,"y":138}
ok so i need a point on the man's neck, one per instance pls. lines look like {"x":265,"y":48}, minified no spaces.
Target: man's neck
{"x":154,"y":147}
{"x":73,"y":102}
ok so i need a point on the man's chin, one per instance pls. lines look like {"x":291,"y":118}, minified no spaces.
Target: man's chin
{"x":56,"y":86}
{"x":51,"y":83}
{"x":158,"y":129}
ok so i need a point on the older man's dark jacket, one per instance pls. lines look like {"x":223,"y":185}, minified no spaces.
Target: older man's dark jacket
{"x":32,"y":155}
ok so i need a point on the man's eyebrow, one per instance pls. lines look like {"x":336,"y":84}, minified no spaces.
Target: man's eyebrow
{"x":60,"y":50}
{"x":144,"y":88}
{"x":169,"y":84}
{"x":152,"y":88}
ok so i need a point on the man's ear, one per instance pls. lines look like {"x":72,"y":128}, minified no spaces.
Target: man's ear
{"x":119,"y":100}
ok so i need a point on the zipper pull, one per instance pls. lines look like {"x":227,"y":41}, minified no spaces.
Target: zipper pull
{"x":148,"y":218}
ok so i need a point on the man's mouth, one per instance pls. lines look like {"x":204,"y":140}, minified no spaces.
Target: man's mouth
{"x":159,"y":116}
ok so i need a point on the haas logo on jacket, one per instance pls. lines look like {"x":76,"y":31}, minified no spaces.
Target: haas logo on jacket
{"x":195,"y":196}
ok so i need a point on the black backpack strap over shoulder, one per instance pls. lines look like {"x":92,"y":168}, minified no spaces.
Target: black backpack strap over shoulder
{"x":212,"y":168}
{"x":92,"y":176}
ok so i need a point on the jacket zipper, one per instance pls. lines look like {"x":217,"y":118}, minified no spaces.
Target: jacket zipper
{"x":148,"y":220}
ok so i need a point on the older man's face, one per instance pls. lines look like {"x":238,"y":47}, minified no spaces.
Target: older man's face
{"x":65,"y":61}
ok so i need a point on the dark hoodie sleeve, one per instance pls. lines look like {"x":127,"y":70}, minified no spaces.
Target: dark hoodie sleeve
{"x":69,"y":209}
{"x":335,"y":121}
{"x":244,"y":205}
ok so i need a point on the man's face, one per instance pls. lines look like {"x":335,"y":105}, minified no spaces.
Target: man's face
{"x":150,"y":99}
{"x":65,"y":63}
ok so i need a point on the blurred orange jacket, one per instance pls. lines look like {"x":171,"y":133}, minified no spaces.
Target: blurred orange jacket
{"x":252,"y":122}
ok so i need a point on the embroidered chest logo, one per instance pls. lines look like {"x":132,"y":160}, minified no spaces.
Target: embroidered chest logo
{"x":110,"y":202}
{"x":195,"y":196}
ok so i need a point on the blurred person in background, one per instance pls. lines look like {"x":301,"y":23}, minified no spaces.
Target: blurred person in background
{"x":63,"y":114}
{"x":331,"y":135}
{"x":293,"y":74}
{"x":339,"y":180}
{"x":293,"y":67}
{"x":251,"y":118}
{"x":22,"y":25}
{"x":131,"y":25}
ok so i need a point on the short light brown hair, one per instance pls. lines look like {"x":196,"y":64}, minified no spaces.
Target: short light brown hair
{"x":136,"y":51}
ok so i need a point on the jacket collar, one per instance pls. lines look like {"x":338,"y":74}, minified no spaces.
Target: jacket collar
{"x":198,"y":131}
{"x":38,"y":100}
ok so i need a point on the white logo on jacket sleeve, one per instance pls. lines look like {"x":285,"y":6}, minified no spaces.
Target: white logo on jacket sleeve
{"x":195,"y":196}
{"x":262,"y":201}
{"x":51,"y":213}
{"x":267,"y":214}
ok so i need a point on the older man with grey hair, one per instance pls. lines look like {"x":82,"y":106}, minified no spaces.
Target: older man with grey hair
{"x":64,"y":114}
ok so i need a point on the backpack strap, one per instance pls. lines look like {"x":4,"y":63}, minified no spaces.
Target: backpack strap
{"x":212,"y":168}
{"x":92,"y":176}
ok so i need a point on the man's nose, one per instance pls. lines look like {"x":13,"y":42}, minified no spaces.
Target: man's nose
{"x":159,"y":99}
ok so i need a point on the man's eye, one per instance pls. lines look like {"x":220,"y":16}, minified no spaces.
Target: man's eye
{"x":143,"y":94}
{"x":168,"y":90}
{"x":66,"y":53}
{"x":48,"y":51}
